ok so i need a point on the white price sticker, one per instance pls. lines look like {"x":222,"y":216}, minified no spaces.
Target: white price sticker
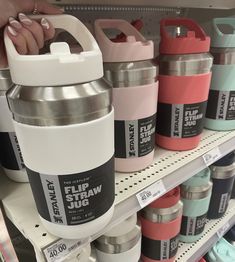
{"x":223,"y":230}
{"x":151,"y":193}
{"x":60,"y":249}
{"x":211,"y":156}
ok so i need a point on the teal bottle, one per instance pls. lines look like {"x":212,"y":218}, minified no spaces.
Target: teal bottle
{"x":222,"y":251}
{"x":220,"y":113}
{"x":195,"y":195}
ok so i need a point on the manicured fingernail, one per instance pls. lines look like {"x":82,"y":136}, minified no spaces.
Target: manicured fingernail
{"x":24,"y":19}
{"x":45,"y":23}
{"x":14,"y":23}
{"x":12,"y":31}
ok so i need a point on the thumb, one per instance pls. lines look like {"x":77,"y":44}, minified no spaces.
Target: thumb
{"x":45,"y":8}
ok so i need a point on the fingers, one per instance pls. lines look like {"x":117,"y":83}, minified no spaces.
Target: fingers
{"x":33,"y":27}
{"x":29,"y":36}
{"x":48,"y":29}
{"x":18,"y":40}
{"x":28,"y":6}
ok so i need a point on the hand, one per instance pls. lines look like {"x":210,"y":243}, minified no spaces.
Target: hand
{"x":27,"y":35}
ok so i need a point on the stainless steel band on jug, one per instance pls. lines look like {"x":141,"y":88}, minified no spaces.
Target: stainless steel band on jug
{"x":223,"y":178}
{"x":220,"y":113}
{"x":10,"y":153}
{"x":129,"y":68}
{"x":160,"y":222}
{"x":121,"y":243}
{"x":184,"y":79}
{"x":64,"y":121}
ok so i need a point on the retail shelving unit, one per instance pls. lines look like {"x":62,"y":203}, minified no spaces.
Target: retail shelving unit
{"x":215,"y":4}
{"x":169,"y":169}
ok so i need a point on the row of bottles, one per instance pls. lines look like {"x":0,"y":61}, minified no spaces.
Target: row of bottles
{"x":179,"y":215}
{"x":64,"y":118}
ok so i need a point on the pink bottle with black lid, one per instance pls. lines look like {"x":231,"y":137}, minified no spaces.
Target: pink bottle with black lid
{"x":128,"y":66}
{"x":184,"y":81}
{"x":160,"y":222}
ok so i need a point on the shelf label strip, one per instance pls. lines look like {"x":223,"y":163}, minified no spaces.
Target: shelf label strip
{"x":151,"y":193}
{"x":60,"y":249}
{"x":223,"y":230}
{"x":211,"y":156}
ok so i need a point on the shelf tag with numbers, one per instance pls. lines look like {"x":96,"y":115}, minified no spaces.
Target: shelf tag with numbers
{"x":151,"y":193}
{"x":60,"y":249}
{"x":211,"y":156}
{"x":223,"y":230}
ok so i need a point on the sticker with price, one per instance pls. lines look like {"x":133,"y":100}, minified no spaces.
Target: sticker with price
{"x":223,"y":230}
{"x":60,"y":249}
{"x":151,"y":193}
{"x":211,"y":156}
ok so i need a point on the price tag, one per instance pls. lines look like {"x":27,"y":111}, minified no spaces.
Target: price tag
{"x":151,"y":193}
{"x":60,"y":249}
{"x":223,"y":230}
{"x":211,"y":156}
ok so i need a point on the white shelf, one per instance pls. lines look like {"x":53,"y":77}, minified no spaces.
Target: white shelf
{"x":194,"y":251}
{"x":171,"y":167}
{"x":213,"y":4}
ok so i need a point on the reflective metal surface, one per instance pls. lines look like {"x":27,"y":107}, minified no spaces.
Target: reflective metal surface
{"x":60,"y":105}
{"x":120,"y":244}
{"x":199,"y":192}
{"x":185,"y":65}
{"x":223,"y":56}
{"x":222,"y":172}
{"x":162,"y":215}
{"x":131,"y":73}
{"x":5,"y":81}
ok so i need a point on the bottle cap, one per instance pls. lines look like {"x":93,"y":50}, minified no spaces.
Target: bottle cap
{"x":60,"y":66}
{"x":134,"y":48}
{"x":220,"y":38}
{"x":195,"y":40}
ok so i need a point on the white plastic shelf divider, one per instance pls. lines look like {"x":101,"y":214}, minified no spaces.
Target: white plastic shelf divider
{"x":215,"y":4}
{"x":194,"y":251}
{"x":171,"y":167}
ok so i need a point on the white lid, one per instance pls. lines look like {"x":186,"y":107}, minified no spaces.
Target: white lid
{"x":60,"y":67}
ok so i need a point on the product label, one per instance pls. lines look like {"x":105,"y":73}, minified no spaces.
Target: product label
{"x":10,"y":154}
{"x":59,"y":250}
{"x":223,"y":230}
{"x":180,"y":120}
{"x":192,"y":226}
{"x":223,"y":202}
{"x":221,"y":105}
{"x":211,"y":156}
{"x":149,"y":194}
{"x":159,"y":249}
{"x":135,"y":138}
{"x":74,"y":199}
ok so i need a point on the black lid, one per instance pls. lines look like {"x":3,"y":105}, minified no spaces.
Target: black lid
{"x":226,"y":160}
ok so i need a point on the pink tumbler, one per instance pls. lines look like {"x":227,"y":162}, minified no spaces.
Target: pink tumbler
{"x":128,"y":66}
{"x":160,"y":222}
{"x":184,"y":81}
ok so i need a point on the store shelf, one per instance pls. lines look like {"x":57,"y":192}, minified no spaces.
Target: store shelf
{"x":171,"y":167}
{"x":215,"y":4}
{"x":213,"y":229}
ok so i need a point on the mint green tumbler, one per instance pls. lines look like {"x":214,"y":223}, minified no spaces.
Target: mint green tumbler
{"x":195,"y":195}
{"x":220,"y":113}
